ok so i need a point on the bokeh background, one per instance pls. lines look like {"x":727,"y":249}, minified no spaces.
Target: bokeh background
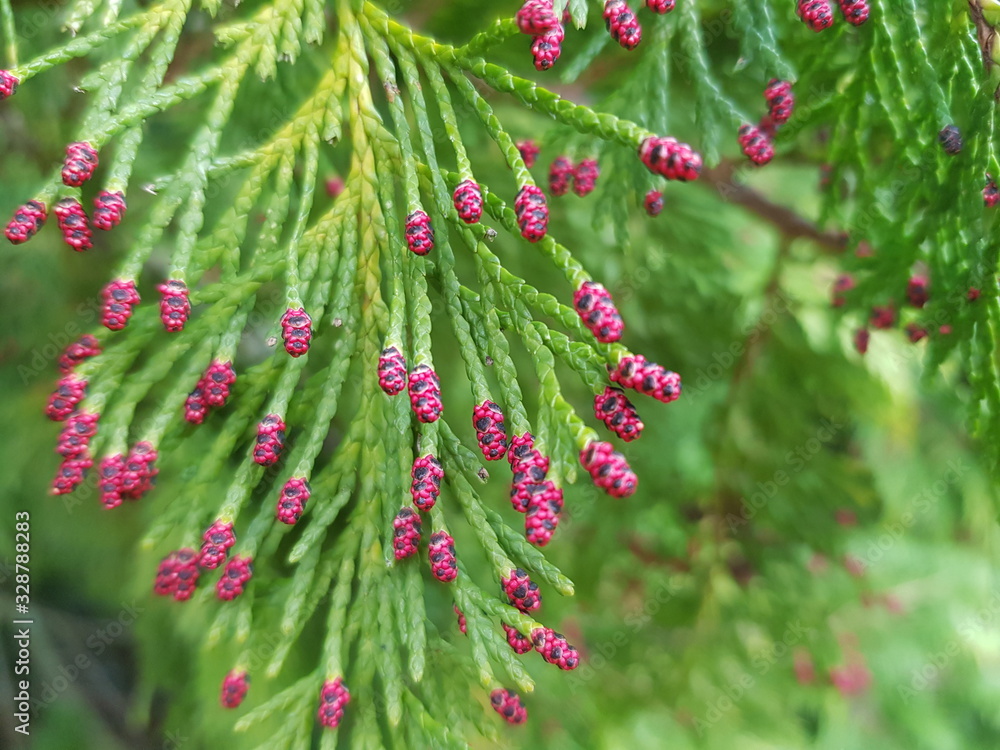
{"x":810,"y":560}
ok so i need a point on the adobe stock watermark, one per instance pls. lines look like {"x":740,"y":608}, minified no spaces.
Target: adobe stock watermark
{"x":777,"y":306}
{"x":926,"y":675}
{"x":603,"y":652}
{"x":88,"y":490}
{"x":923,"y":502}
{"x":795,"y":461}
{"x":44,"y":355}
{"x":95,"y":645}
{"x":30,"y":23}
{"x":636,"y":278}
{"x":730,"y":695}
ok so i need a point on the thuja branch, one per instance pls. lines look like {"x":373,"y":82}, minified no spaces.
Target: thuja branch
{"x":582,"y":118}
{"x":352,"y":288}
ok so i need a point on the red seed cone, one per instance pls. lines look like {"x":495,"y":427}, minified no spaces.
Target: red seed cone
{"x":861,"y":338}
{"x":26,"y":222}
{"x":487,"y":419}
{"x":560,"y":174}
{"x":441,"y":552}
{"x":608,"y":469}
{"x":461,"y":619}
{"x":83,"y":348}
{"x":333,"y":698}
{"x":660,"y":6}
{"x":780,"y":101}
{"x":109,"y":483}
{"x":522,"y":492}
{"x":177,"y":575}
{"x":109,"y":209}
{"x":187,"y":575}
{"x":166,"y":579}
{"x":648,"y":378}
{"x":140,"y":471}
{"x":629,"y":371}
{"x":529,"y":152}
{"x":546,"y":49}
{"x":918,"y":290}
{"x":653,"y":202}
{"x":68,"y":394}
{"x":234,"y":688}
{"x":120,"y":297}
{"x":70,"y":474}
{"x":8,"y":84}
{"x":529,"y":479}
{"x":585,"y":177}
{"x":915,"y":332}
{"x":235,"y":576}
{"x":532,"y":213}
{"x":618,"y":414}
{"x":542,"y":513}
{"x":508,"y":704}
{"x":74,"y":224}
{"x":552,"y":647}
{"x":991,"y":194}
{"x":426,"y":485}
{"x":816,"y":14}
{"x":855,"y":11}
{"x":853,"y":678}
{"x":756,"y":145}
{"x":425,"y":393}
{"x":406,"y":533}
{"x":79,"y":164}
{"x":334,"y":186}
{"x":520,"y":644}
{"x":216,"y":543}
{"x":270,"y":440}
{"x":597,"y":310}
{"x":468,"y":200}
{"x":391,"y":371}
{"x":521,"y":591}
{"x":175,"y":307}
{"x":671,"y":159}
{"x":521,"y":446}
{"x":292,"y":502}
{"x":195,"y":407}
{"x":536,"y":17}
{"x":883,"y":317}
{"x":76,"y":434}
{"x":296,"y":331}
{"x":419,"y":234}
{"x":843,"y":284}
{"x":950,"y":138}
{"x":216,"y":383}
{"x":622,"y":24}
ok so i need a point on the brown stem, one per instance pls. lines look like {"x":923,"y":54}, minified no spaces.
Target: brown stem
{"x":985,"y":34}
{"x":781,"y":217}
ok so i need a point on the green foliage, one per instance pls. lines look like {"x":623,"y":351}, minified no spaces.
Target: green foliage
{"x":802,"y":511}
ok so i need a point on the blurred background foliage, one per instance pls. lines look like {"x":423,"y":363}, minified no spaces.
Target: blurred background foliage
{"x":809,"y":561}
